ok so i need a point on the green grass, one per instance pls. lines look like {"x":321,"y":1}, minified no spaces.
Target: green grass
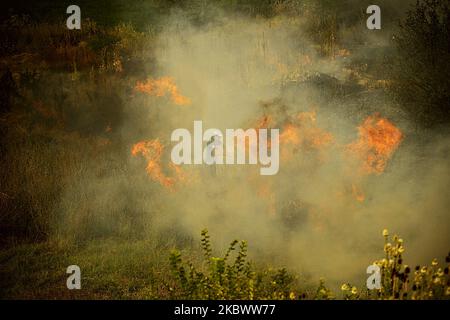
{"x":110,"y":269}
{"x":117,"y":269}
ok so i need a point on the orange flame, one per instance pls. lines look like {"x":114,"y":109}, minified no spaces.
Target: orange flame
{"x":152,"y":151}
{"x":378,"y":139}
{"x":303,"y":132}
{"x":290,"y":134}
{"x":161,"y":87}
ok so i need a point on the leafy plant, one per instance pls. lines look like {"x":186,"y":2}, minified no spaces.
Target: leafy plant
{"x":420,"y":71}
{"x":232,"y":276}
{"x":397,"y":280}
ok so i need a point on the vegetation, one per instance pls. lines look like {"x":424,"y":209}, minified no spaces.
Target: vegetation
{"x":225,"y":279}
{"x":421,"y":67}
{"x":116,"y":269}
{"x":64,"y":97}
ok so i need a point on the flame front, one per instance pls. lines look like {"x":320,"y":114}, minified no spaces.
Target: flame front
{"x":302,"y":132}
{"x":378,"y":139}
{"x":152,"y":151}
{"x":162,"y":87}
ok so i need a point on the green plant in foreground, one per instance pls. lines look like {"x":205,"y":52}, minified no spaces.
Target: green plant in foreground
{"x":229,"y":277}
{"x":427,"y":282}
{"x":234,"y":277}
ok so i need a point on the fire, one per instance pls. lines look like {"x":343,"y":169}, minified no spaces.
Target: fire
{"x":152,"y":151}
{"x":303,"y":132}
{"x":378,"y":139}
{"x":290,"y":134}
{"x":299,"y":131}
{"x":162,"y":87}
{"x":264,"y":122}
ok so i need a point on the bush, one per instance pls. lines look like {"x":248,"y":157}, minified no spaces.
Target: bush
{"x":225,"y":278}
{"x":421,"y":69}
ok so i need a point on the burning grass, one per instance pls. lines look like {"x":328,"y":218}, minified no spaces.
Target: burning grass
{"x":378,"y":140}
{"x":162,"y":87}
{"x":75,"y":104}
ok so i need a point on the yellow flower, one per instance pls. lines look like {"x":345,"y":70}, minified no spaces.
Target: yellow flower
{"x":354,"y":290}
{"x":385,"y":233}
{"x":345,"y":287}
{"x":423,"y":270}
{"x":401,"y":249}
{"x":292,"y":296}
{"x":434,"y":263}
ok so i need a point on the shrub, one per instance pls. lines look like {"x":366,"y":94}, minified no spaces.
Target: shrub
{"x":420,"y":72}
{"x":427,"y":282}
{"x":228,"y":278}
{"x":237,"y":278}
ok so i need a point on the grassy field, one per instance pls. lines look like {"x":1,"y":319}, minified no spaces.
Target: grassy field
{"x":112,"y":269}
{"x":72,"y":193}
{"x":118,"y":269}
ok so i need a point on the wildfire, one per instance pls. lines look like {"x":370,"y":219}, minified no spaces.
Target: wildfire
{"x":264,"y":122}
{"x":378,"y":139}
{"x":152,"y":151}
{"x":297,"y":132}
{"x":162,"y":87}
{"x":290,"y":134}
{"x":303,"y":132}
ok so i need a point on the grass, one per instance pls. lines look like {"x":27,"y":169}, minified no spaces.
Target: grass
{"x":49,"y":150}
{"x":117,"y":269}
{"x":111,"y":269}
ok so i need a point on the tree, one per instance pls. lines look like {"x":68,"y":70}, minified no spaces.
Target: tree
{"x":421,"y":70}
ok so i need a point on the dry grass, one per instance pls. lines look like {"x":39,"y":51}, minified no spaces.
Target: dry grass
{"x":51,"y":215}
